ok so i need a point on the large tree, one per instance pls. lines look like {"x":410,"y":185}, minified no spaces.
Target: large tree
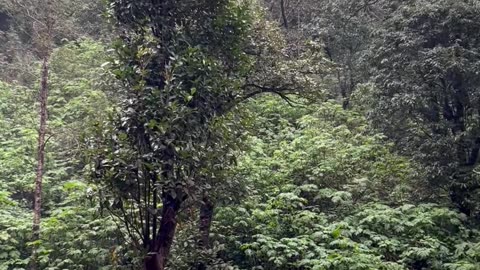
{"x":428,"y":91}
{"x":184,"y":66}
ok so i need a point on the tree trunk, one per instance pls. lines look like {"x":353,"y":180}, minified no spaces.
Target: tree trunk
{"x":157,"y":258}
{"x":206,"y":217}
{"x":461,"y":198}
{"x":40,"y":157}
{"x":284,"y":15}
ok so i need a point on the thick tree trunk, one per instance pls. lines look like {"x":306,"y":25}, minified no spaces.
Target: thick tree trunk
{"x":37,"y":208}
{"x":205,"y":222}
{"x":157,"y":258}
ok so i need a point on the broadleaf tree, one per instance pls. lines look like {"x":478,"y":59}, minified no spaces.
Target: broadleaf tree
{"x":183,"y":66}
{"x":426,"y":97}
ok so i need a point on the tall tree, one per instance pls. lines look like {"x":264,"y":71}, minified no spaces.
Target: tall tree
{"x":184,"y":66}
{"x":177,"y":81}
{"x":38,"y":27}
{"x":39,"y":14}
{"x":428,"y":92}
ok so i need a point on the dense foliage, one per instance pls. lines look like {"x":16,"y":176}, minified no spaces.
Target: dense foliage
{"x":426,"y":70}
{"x":329,"y":194}
{"x":226,"y":134}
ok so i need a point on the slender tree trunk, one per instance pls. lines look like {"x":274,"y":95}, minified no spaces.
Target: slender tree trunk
{"x":157,"y":258}
{"x":461,"y":198}
{"x":40,"y":157}
{"x":284,"y":15}
{"x":206,"y":217}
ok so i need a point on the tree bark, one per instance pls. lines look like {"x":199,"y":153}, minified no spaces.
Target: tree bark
{"x":206,"y":217}
{"x":284,"y":15}
{"x":205,"y":222}
{"x":37,"y":208}
{"x":156,"y":259}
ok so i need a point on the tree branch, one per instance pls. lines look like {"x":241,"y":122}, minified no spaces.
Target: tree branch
{"x":282,"y":91}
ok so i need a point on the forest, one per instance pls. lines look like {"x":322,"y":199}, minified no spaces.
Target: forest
{"x":240,"y":134}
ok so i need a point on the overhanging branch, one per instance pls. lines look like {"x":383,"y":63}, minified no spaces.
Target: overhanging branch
{"x":282,"y":92}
